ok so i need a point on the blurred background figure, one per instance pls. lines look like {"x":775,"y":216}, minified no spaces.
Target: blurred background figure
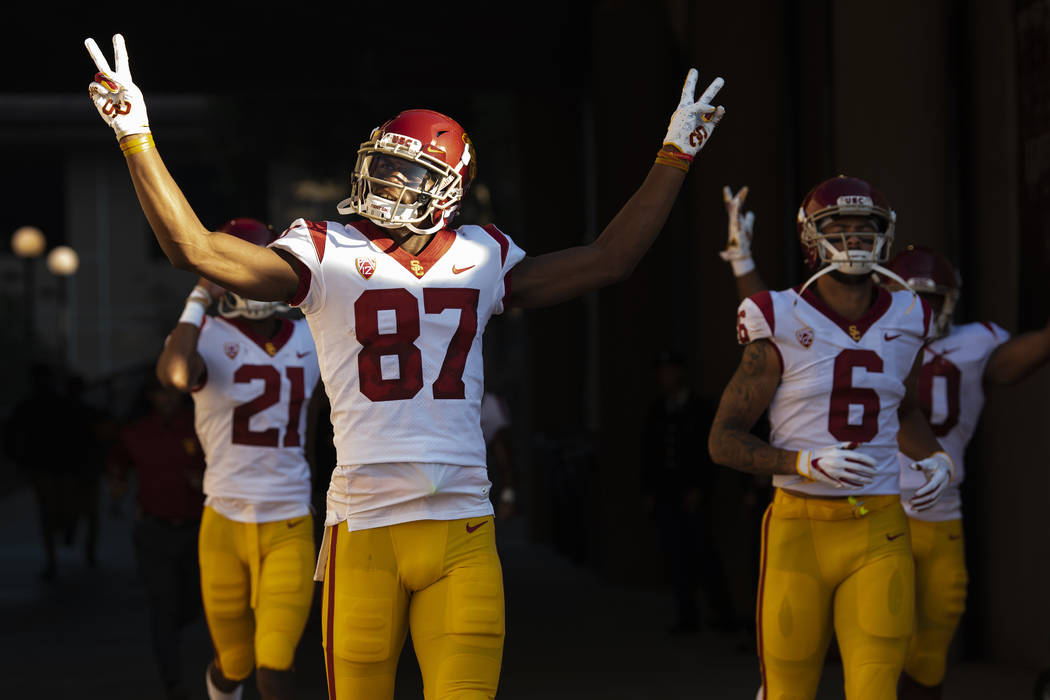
{"x":64,"y":473}
{"x":495,"y":427}
{"x":677,"y":483}
{"x":162,"y":450}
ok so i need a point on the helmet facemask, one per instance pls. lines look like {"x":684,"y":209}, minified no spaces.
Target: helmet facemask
{"x":233,"y":305}
{"x":942,"y":320}
{"x":397,"y":184}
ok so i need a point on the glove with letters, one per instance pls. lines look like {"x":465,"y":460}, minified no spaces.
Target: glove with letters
{"x":738,"y":248}
{"x":691,"y":124}
{"x":838,"y":465}
{"x":117,"y":98}
{"x":939,"y":470}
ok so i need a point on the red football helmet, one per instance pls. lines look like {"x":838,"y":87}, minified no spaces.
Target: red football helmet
{"x":412,"y":172}
{"x":231,"y":304}
{"x":844,"y":196}
{"x":928,"y":272}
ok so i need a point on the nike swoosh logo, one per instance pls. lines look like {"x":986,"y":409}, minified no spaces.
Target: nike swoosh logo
{"x":457,"y":270}
{"x":301,"y":355}
{"x":472,"y":528}
{"x":954,"y":537}
{"x":893,"y":537}
{"x":293,"y":523}
{"x":888,"y":337}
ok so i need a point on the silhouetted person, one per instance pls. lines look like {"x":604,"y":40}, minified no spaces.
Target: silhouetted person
{"x":677,"y":481}
{"x":32,"y":443}
{"x":162,"y":449}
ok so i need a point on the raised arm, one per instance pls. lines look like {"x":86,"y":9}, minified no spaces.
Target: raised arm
{"x":249,"y":270}
{"x":566,"y":274}
{"x":180,"y":365}
{"x":738,"y":247}
{"x":1018,"y":357}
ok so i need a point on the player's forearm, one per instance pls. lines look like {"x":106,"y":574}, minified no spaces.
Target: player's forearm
{"x":180,"y":233}
{"x":175,"y":367}
{"x":914,"y":437}
{"x":634,"y":228}
{"x":1018,"y":357}
{"x":748,"y":284}
{"x":738,"y":449}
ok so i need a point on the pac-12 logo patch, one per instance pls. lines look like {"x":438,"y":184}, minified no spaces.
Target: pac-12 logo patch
{"x":366,"y":267}
{"x":805,"y":336}
{"x":231,"y":349}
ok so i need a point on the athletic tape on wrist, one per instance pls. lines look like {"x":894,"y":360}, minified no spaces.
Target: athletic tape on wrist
{"x":742,"y":266}
{"x":137,"y":144}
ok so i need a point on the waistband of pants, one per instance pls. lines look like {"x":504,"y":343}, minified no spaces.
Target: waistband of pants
{"x":787,"y":504}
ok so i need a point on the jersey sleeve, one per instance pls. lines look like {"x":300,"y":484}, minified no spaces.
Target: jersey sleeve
{"x":755,"y":319}
{"x":999,"y":335}
{"x":510,"y":255}
{"x":306,"y":240}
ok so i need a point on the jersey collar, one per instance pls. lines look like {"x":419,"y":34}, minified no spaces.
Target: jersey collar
{"x":271,"y":346}
{"x":854,"y":329}
{"x":418,"y":265}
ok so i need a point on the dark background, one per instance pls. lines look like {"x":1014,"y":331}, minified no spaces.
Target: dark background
{"x":944,"y":105}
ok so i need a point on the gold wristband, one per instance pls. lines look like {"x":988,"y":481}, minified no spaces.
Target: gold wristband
{"x":137,"y":144}
{"x":673,"y":162}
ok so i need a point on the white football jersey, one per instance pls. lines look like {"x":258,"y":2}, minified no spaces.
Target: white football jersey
{"x":951,"y":394}
{"x":250,"y":411}
{"x":399,"y":342}
{"x":840,"y":381}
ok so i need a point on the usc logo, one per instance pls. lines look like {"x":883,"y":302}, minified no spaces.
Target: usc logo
{"x":742,"y":335}
{"x":696,"y":139}
{"x":417,"y":268}
{"x":110,"y":109}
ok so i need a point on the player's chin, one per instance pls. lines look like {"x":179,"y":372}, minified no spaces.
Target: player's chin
{"x":843,"y":278}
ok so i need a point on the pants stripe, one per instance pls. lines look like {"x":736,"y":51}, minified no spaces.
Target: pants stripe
{"x":761,"y":591}
{"x":330,"y":622}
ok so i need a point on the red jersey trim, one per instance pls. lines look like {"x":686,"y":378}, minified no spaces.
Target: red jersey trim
{"x":499,"y":237}
{"x":305,"y":279}
{"x":319,"y":236}
{"x":439,"y":244}
{"x":764,"y":302}
{"x":927,"y":314}
{"x":883,"y":299}
{"x":277,"y":341}
{"x":991,"y":329}
{"x":201,"y":382}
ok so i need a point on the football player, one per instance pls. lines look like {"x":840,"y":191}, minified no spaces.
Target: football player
{"x":397,"y":301}
{"x":835,"y":361}
{"x":958,"y":363}
{"x":951,"y":396}
{"x":252,"y":375}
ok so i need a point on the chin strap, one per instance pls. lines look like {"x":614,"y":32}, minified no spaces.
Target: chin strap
{"x":874,"y":268}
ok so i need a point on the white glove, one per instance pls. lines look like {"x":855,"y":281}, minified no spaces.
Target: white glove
{"x":118,"y":100}
{"x":738,"y":248}
{"x":838,"y":465}
{"x":939,"y":470}
{"x":693,"y":122}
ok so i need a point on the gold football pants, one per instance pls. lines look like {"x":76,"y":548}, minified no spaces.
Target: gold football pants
{"x":940,"y":596}
{"x":845,"y":562}
{"x":257,"y":587}
{"x":441,"y":579}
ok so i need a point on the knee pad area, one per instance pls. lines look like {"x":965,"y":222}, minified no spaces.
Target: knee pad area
{"x":467,"y":677}
{"x":793,"y":617}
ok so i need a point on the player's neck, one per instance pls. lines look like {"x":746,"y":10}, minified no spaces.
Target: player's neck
{"x":409,"y":241}
{"x":850,"y":301}
{"x":263,"y":327}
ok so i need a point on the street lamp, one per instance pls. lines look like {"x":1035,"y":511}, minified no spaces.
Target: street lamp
{"x":62,"y":262}
{"x":28,"y":243}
